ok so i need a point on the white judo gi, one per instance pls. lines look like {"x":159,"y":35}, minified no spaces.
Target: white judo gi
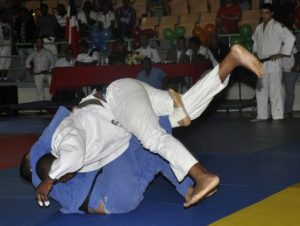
{"x":5,"y":45}
{"x":87,"y":140}
{"x":137,"y":106}
{"x":83,"y":143}
{"x":274,"y":39}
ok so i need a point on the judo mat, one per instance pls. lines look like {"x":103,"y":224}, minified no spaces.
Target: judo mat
{"x":246,"y":179}
{"x":281,"y":208}
{"x":13,"y":146}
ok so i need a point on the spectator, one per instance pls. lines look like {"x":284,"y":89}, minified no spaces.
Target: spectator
{"x":228,"y":17}
{"x":119,"y":55}
{"x":289,"y":78}
{"x":25,"y":31}
{"x":152,"y":75}
{"x":178,"y":54}
{"x":126,"y":18}
{"x":47,"y":27}
{"x":147,"y":51}
{"x":198,"y":53}
{"x":86,"y":56}
{"x":106,"y":17}
{"x":86,"y":18}
{"x":270,"y":50}
{"x":97,"y":4}
{"x":39,"y":64}
{"x":67,"y":60}
{"x":5,"y":43}
{"x":218,"y":48}
{"x":61,"y":17}
{"x":86,"y":15}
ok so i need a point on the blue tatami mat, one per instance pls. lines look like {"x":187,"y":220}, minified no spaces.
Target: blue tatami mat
{"x":245,"y":179}
{"x":23,"y":125}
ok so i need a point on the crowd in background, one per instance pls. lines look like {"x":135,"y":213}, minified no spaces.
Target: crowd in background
{"x":33,"y":32}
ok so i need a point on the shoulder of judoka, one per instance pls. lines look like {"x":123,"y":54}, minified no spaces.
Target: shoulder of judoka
{"x":67,"y":126}
{"x":279,"y":25}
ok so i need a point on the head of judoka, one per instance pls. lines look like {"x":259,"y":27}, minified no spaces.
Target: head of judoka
{"x":266,"y":12}
{"x":25,"y":168}
{"x":43,"y":167}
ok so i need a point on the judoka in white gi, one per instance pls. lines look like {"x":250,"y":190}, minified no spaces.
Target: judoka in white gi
{"x":83,"y":143}
{"x":272,"y":40}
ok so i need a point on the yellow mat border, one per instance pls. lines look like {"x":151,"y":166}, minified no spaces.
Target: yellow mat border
{"x":279,"y":209}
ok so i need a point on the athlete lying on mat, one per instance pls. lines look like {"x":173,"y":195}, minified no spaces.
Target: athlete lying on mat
{"x":195,"y":101}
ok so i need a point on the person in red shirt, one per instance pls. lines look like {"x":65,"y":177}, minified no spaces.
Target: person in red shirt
{"x":228,"y":17}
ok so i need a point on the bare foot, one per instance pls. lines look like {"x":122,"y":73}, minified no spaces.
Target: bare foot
{"x":204,"y":187}
{"x":189,"y":193}
{"x":186,"y":121}
{"x":247,"y":59}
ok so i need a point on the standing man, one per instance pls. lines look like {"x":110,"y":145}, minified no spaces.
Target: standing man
{"x":153,"y":76}
{"x":289,"y":78}
{"x":126,"y":18}
{"x":5,"y":44}
{"x":39,"y":63}
{"x":61,"y":18}
{"x":47,"y":25}
{"x":106,"y":17}
{"x":86,"y":19}
{"x":272,"y":40}
{"x":228,"y":17}
{"x":25,"y":31}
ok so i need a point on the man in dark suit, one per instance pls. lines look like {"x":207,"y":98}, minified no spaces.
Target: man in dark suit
{"x":178,"y":54}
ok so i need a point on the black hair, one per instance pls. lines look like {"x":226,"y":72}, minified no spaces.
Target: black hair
{"x":25,"y":168}
{"x":43,"y":166}
{"x":195,"y":40}
{"x":268,"y":6}
{"x":63,"y":7}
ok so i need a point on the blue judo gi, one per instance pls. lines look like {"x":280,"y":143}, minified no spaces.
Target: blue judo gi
{"x":120,"y":185}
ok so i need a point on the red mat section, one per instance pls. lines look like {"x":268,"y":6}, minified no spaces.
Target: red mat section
{"x":12,"y":148}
